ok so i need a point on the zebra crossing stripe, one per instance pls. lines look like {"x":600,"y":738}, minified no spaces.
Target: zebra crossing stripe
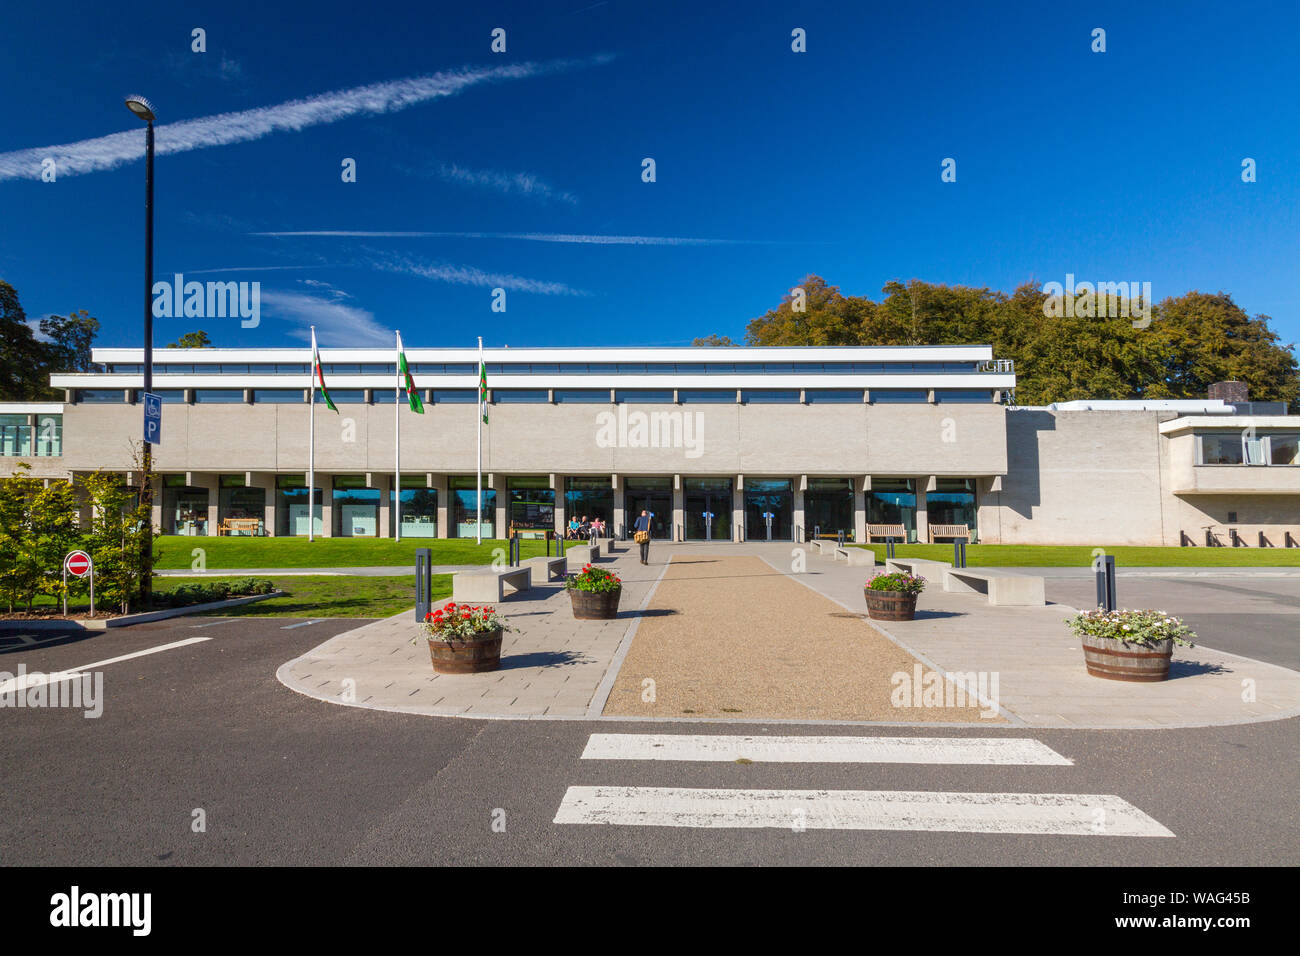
{"x":767,"y":749}
{"x":1060,"y":814}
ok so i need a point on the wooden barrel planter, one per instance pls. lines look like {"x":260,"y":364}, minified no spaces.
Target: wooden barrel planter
{"x":891,"y":605}
{"x":595,"y":605}
{"x":1115,"y":660}
{"x":473,"y":656}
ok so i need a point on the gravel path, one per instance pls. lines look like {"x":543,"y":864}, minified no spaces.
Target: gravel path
{"x":729,"y":636}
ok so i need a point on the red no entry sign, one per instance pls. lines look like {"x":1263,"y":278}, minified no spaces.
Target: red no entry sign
{"x":78,"y":563}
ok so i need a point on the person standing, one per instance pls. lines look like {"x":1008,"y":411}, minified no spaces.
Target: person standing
{"x":641,"y":532}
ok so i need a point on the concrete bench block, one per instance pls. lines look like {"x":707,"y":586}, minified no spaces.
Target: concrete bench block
{"x":578,"y":555}
{"x":856,"y":557}
{"x":1003,"y":589}
{"x":489,"y":586}
{"x":547,"y":568}
{"x":822,"y":547}
{"x":921,"y":567}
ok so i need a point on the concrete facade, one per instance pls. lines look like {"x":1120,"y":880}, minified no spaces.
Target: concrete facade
{"x":1106,"y":473}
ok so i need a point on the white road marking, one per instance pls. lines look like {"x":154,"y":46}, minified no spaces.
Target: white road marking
{"x":765,"y":749}
{"x":1060,"y":814}
{"x":36,"y":679}
{"x":290,"y":627}
{"x":212,"y":623}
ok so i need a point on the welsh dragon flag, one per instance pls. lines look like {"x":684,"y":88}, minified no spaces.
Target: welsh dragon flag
{"x":482,"y":384}
{"x":408,"y":383}
{"x":318,"y":374}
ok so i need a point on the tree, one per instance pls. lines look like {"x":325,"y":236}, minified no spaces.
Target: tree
{"x":714,"y":341}
{"x":24,"y":360}
{"x":1192,"y":341}
{"x":192,"y":340}
{"x":69,"y":341}
{"x":38,"y":527}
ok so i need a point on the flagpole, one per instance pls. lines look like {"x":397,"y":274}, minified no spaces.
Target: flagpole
{"x":311,"y":441}
{"x":397,"y":444}
{"x":478,"y":524}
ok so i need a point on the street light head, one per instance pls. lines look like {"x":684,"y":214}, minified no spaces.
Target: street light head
{"x":141,"y":108}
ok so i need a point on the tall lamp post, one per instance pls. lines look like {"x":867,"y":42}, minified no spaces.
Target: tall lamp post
{"x":143,"y":109}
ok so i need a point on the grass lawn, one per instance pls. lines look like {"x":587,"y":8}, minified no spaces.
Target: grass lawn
{"x":331,"y":596}
{"x":1047,"y":556}
{"x":223,"y":553}
{"x":308,"y":596}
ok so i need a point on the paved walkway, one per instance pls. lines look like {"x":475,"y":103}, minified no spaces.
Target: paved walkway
{"x":556,"y":667}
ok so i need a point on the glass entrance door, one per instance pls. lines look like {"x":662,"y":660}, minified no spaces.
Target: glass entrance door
{"x":706,"y":497}
{"x":828,"y":507}
{"x":654,"y":495}
{"x":769,"y":496}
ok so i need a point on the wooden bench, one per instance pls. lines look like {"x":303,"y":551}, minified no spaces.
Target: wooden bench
{"x":856,"y":557}
{"x":1002,"y":587}
{"x":251,"y":526}
{"x":949,"y":531}
{"x":489,"y":584}
{"x":549,"y":568}
{"x":883,"y":531}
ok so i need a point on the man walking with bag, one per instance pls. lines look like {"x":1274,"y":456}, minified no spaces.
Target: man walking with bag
{"x":641,"y":534}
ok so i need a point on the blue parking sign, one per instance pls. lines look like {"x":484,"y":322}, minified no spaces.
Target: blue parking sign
{"x":152,"y":418}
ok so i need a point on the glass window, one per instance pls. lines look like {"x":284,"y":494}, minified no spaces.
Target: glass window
{"x":185,"y":510}
{"x":168,"y":396}
{"x":1285,"y":449}
{"x":379,"y":369}
{"x":464,"y":502}
{"x":893,"y":501}
{"x":952,"y":502}
{"x":49,"y":436}
{"x":645,"y":396}
{"x":833,"y":396}
{"x":15,"y":435}
{"x":291,"y":498}
{"x":355,"y":507}
{"x":520,"y":396}
{"x":100,"y":396}
{"x":593,"y":497}
{"x":344,"y":396}
{"x":588,"y":396}
{"x":899,"y":395}
{"x":218,"y":396}
{"x":335,"y":368}
{"x":828,"y":507}
{"x":388,"y":396}
{"x":455,"y":396}
{"x":963,"y":395}
{"x":532,"y":503}
{"x":707,"y":396}
{"x":1222,"y":449}
{"x":418,"y":507}
{"x":771,"y":396}
{"x":263,"y":396}
{"x":241,"y":504}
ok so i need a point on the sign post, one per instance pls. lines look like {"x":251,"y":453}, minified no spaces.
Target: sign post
{"x":152,"y":418}
{"x":79,"y":564}
{"x":767,"y":516}
{"x":708,"y":526}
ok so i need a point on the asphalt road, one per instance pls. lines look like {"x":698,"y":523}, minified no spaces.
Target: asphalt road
{"x":1253,"y":616}
{"x":283,"y":779}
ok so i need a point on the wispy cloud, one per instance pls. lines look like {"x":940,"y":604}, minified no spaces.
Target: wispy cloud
{"x":469,"y":275}
{"x":109,"y":152}
{"x":511,"y":184}
{"x":336,"y":324}
{"x":526,"y":237}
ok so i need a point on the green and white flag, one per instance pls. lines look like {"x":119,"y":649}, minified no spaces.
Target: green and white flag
{"x":406,"y":381}
{"x":482,"y":384}
{"x":318,"y":373}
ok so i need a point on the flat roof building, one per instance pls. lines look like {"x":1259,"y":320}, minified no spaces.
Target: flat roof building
{"x":710,"y":440}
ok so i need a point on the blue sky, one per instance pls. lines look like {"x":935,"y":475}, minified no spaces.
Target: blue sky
{"x":1124,"y":165}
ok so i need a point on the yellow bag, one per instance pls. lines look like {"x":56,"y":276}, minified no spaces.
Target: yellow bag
{"x":641,"y":537}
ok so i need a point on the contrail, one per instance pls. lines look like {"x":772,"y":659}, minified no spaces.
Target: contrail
{"x":470,"y":275}
{"x":109,"y":152}
{"x":528,"y":237}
